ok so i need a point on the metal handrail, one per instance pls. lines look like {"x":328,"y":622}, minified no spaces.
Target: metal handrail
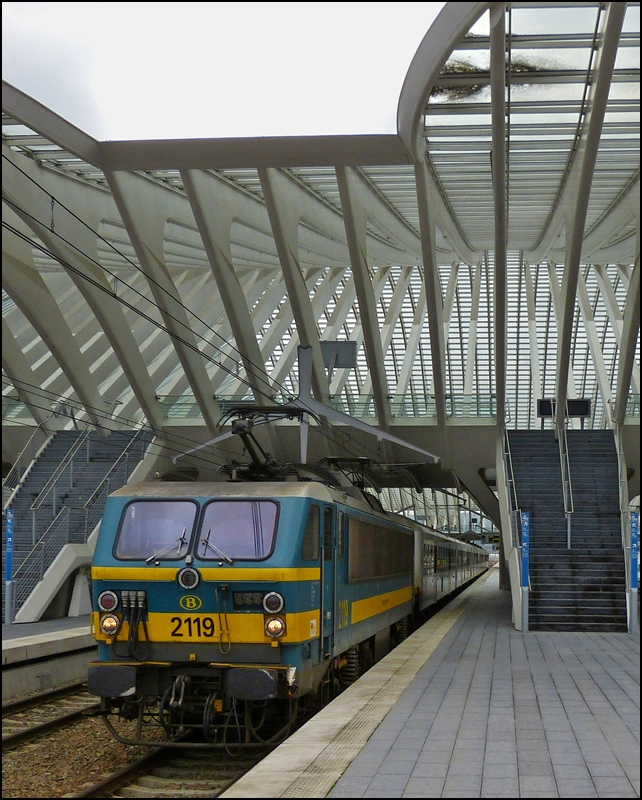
{"x":21,"y":468}
{"x":107,"y":479}
{"x":58,"y":531}
{"x":51,"y":483}
{"x":567,"y":483}
{"x":515,"y":511}
{"x":43,"y":539}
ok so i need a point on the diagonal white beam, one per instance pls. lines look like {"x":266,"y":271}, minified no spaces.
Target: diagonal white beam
{"x":145,"y":227}
{"x":284,"y":218}
{"x":576,"y":210}
{"x":630,"y":334}
{"x":615,"y":316}
{"x":412,"y":345}
{"x":19,"y":372}
{"x":434,"y":301}
{"x":536,"y":374}
{"x":471,"y":347}
{"x":80,"y":263}
{"x":595,"y":345}
{"x":392,"y":316}
{"x":30,"y":293}
{"x":50,"y":125}
{"x":341,"y":376}
{"x":351,"y":191}
{"x":215,"y":206}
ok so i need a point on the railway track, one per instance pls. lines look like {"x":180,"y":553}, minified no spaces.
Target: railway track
{"x":23,"y":720}
{"x":169,"y":773}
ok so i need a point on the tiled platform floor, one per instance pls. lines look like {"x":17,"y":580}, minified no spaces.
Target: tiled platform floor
{"x":469,"y":707}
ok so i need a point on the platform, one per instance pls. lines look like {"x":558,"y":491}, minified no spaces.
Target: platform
{"x":44,"y":655}
{"x":469,"y":707}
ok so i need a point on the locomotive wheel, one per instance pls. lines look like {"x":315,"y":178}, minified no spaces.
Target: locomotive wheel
{"x":401,"y":629}
{"x":209,"y":731}
{"x":350,"y":671}
{"x":165,"y":713}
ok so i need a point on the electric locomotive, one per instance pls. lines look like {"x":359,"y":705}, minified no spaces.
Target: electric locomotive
{"x":220,"y":605}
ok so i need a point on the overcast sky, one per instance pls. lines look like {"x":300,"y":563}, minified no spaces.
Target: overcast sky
{"x":169,"y":70}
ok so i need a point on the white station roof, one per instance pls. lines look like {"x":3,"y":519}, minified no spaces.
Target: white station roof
{"x":483,"y":258}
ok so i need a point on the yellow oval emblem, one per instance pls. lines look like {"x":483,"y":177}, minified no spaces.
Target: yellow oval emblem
{"x":190,"y":602}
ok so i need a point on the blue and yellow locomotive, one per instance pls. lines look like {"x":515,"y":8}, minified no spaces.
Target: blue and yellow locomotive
{"x":213,"y":600}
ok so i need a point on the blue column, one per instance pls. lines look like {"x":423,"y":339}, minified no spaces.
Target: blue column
{"x":8,"y":591}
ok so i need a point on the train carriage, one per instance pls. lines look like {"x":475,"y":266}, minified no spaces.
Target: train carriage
{"x":214,"y":598}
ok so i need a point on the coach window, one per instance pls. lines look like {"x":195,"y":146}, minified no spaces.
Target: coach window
{"x":310,"y":549}
{"x":160,"y":528}
{"x":340,"y":525}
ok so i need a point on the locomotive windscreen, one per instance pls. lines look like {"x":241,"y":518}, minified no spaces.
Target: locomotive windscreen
{"x":238,"y":529}
{"x":155,"y":527}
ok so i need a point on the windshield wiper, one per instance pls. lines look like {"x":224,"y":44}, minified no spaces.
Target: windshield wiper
{"x":220,"y":553}
{"x":180,"y":542}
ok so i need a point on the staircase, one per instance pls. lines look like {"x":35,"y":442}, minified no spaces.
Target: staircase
{"x":581,"y":589}
{"x":67,"y":513}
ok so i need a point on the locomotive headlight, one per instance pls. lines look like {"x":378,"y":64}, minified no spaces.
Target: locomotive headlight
{"x":273,"y":602}
{"x":188,"y":578}
{"x":109,"y":624}
{"x":107,"y":601}
{"x":275,"y":627}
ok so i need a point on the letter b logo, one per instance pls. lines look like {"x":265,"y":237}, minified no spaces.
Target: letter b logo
{"x":190,"y":602}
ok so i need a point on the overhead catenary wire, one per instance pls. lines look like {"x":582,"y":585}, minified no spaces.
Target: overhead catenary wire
{"x":360,"y":447}
{"x":324,"y":427}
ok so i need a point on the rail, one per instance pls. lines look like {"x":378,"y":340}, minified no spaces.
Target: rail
{"x":629,"y":545}
{"x":567,"y":483}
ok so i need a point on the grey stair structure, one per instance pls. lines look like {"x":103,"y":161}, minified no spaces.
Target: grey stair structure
{"x":63,"y":497}
{"x":582,"y":588}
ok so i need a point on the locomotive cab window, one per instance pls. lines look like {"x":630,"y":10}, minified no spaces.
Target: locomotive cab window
{"x":310,"y":548}
{"x":237,"y":529}
{"x":327,"y":534}
{"x":155,"y":529}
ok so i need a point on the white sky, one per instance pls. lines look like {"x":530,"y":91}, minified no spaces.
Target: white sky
{"x":170,"y":70}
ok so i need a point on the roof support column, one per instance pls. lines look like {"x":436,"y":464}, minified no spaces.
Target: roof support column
{"x":536,"y":374}
{"x":145,"y":227}
{"x":630,"y":333}
{"x":213,"y":206}
{"x":19,"y":372}
{"x":32,"y":296}
{"x":499,"y":144}
{"x":355,"y":216}
{"x":81,"y":264}
{"x":583,"y":177}
{"x":284,"y":219}
{"x":434,"y":303}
